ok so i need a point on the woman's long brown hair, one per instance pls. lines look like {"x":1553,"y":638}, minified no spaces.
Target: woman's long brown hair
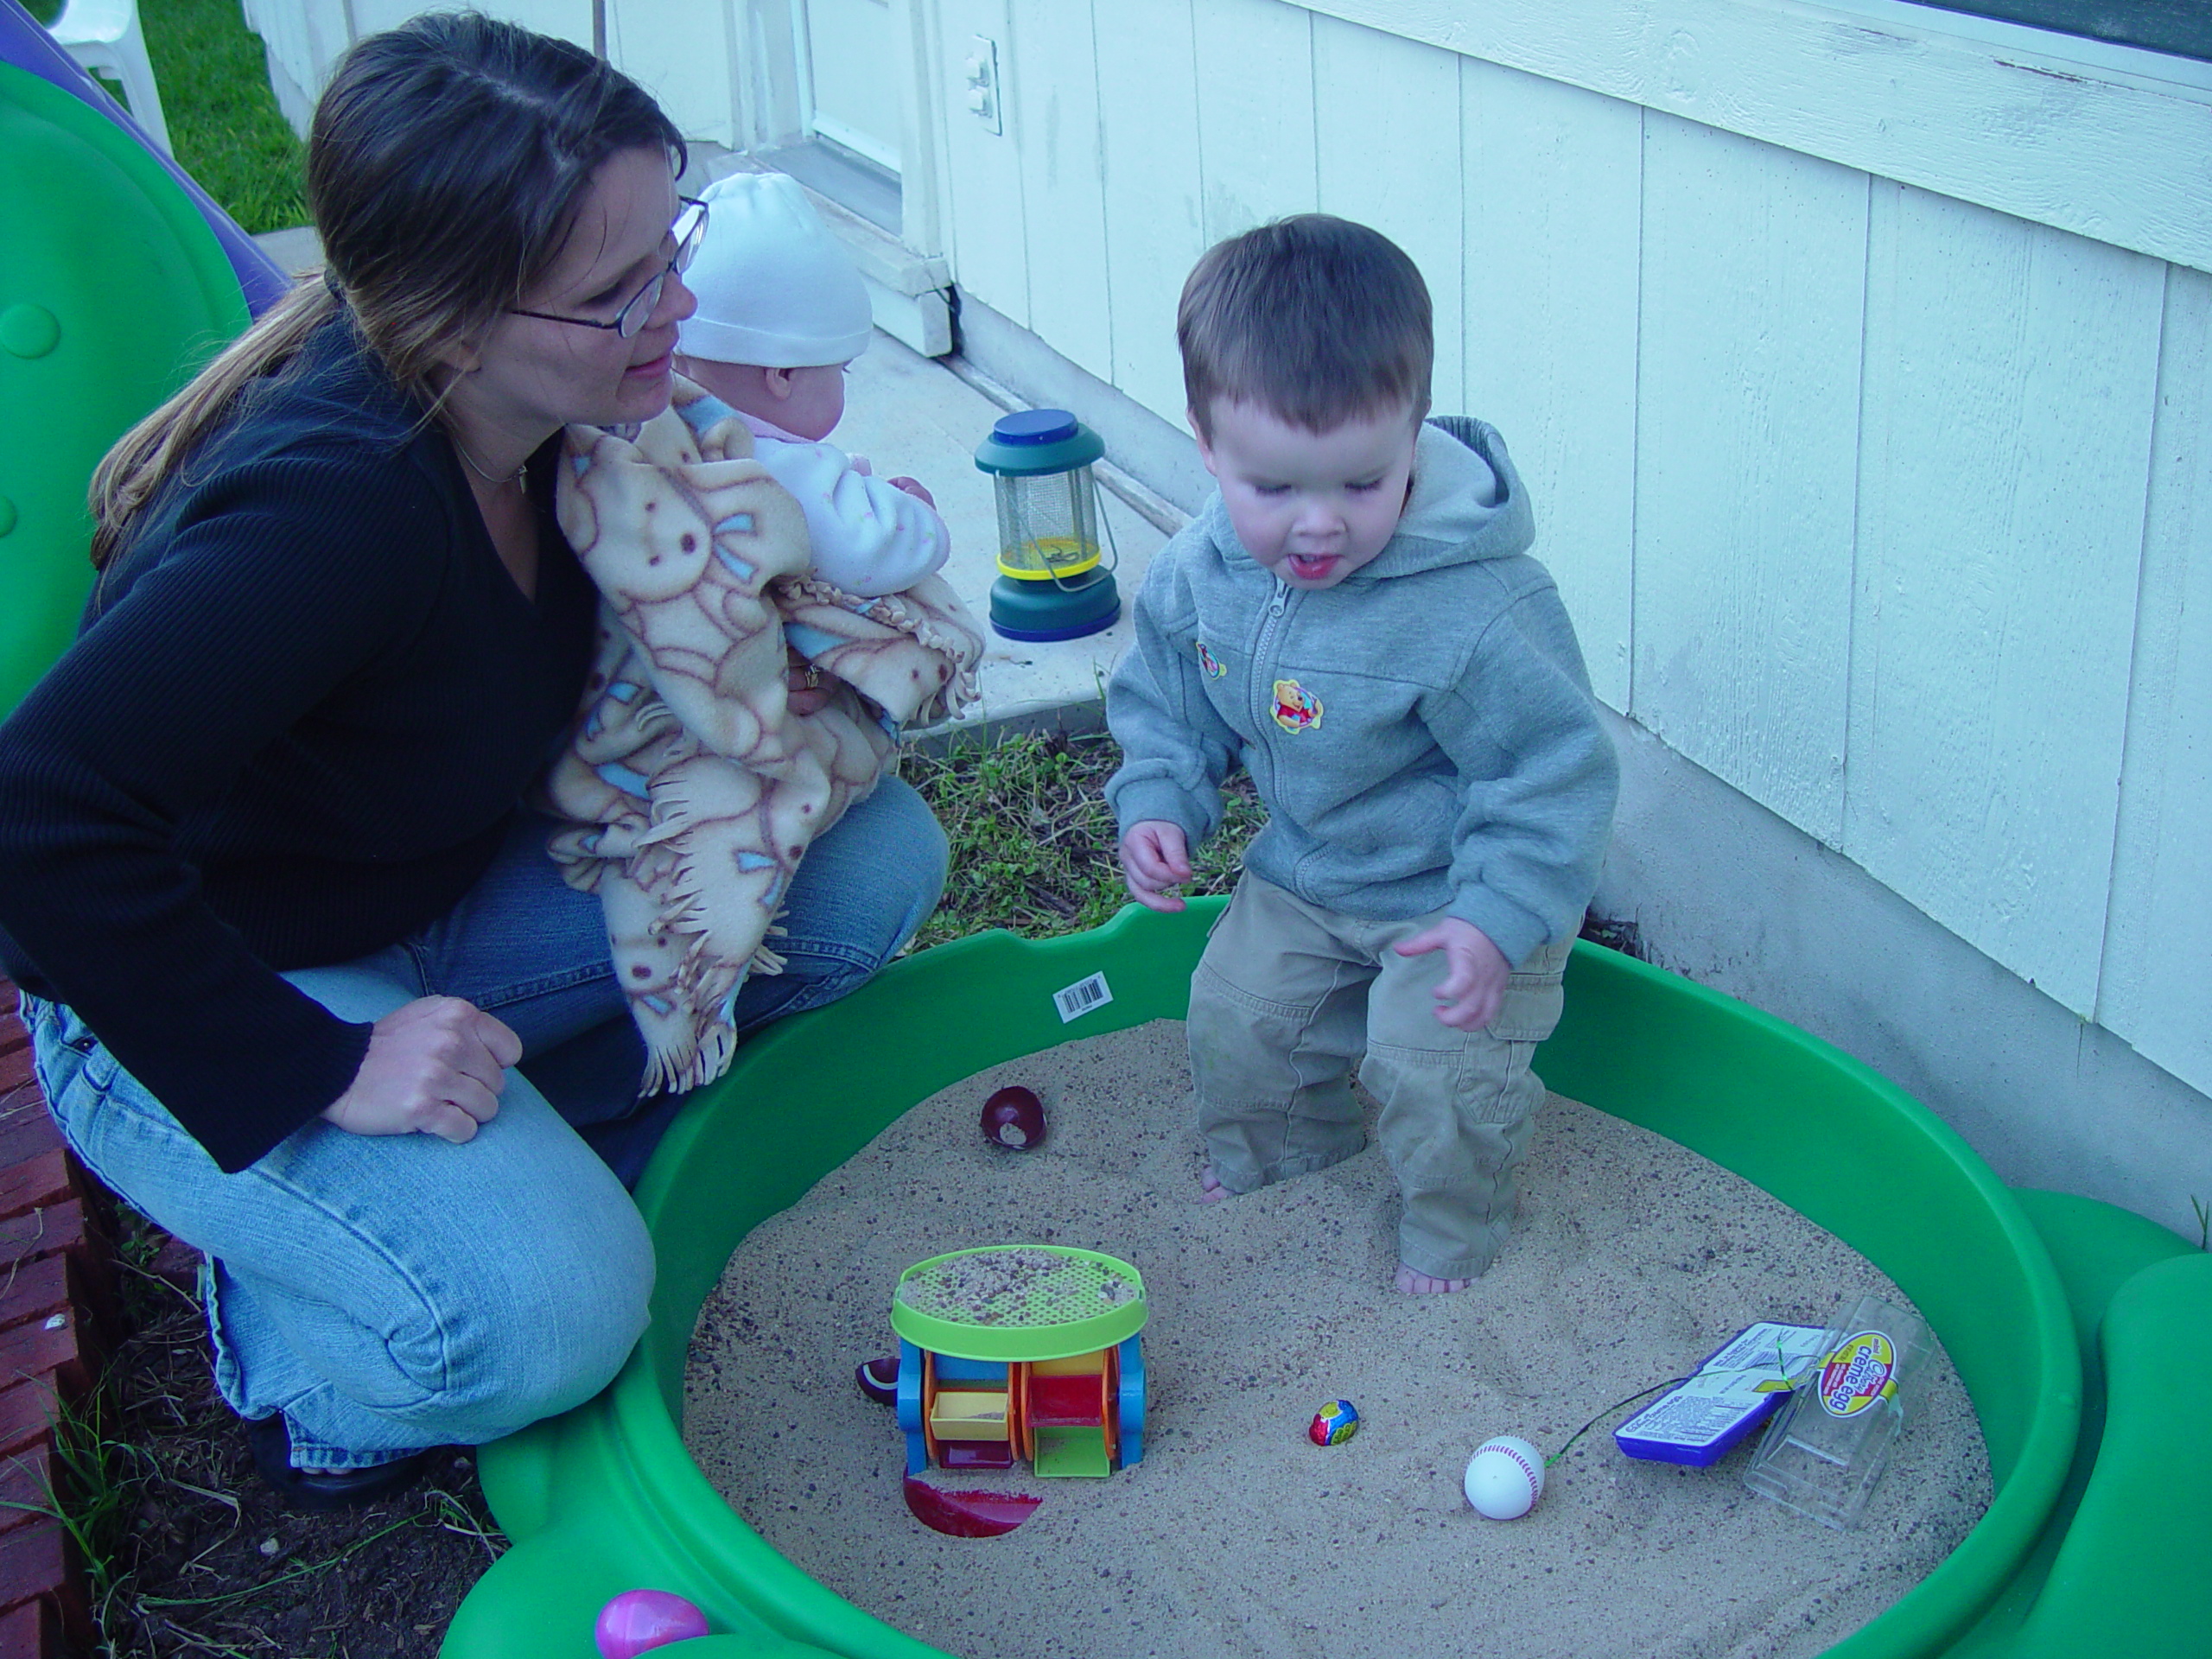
{"x":445,"y":162}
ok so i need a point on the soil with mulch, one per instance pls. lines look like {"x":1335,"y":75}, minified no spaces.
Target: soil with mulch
{"x":192,"y":1555}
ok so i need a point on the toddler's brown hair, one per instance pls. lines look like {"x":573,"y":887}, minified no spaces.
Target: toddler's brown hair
{"x":1315,"y":319}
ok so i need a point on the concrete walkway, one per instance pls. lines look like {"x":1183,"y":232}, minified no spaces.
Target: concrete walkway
{"x":912,"y":414}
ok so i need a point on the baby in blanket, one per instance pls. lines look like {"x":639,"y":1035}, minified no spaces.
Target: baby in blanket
{"x":782,"y":310}
{"x":698,"y":773}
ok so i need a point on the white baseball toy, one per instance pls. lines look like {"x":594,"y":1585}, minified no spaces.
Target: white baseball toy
{"x":1505,"y":1478}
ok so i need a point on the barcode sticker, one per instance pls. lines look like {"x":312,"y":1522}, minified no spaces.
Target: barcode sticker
{"x":1082,"y":997}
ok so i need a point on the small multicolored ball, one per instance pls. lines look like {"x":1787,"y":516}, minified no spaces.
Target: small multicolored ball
{"x":637,"y":1621}
{"x":1334,"y":1424}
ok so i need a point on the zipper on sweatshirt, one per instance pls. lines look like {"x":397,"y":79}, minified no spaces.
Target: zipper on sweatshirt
{"x":1263,"y":687}
{"x":1262,"y":682}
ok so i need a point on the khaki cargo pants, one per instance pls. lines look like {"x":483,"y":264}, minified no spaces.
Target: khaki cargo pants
{"x":1285,"y":1003}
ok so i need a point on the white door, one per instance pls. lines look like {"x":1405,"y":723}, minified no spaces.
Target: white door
{"x":851,"y":78}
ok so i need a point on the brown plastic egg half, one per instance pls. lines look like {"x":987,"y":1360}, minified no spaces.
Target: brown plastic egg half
{"x":1013,"y":1116}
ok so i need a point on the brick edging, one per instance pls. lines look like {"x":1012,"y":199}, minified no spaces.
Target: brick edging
{"x":58,"y":1315}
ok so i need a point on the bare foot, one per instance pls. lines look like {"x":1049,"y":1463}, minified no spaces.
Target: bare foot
{"x":1211,"y":1191}
{"x":1422,"y":1284}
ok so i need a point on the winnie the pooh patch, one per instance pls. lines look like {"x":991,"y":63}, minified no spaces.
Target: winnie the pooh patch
{"x":1297,"y":710}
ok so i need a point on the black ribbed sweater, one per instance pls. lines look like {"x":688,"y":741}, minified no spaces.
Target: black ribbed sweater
{"x":301,"y":710}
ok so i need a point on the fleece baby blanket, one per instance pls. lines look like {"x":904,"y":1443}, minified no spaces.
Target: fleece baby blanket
{"x":692,"y":790}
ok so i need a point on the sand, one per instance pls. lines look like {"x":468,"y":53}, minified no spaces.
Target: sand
{"x":1235,"y":1536}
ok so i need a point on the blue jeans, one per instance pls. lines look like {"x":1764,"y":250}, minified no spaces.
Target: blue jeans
{"x":389,"y":1293}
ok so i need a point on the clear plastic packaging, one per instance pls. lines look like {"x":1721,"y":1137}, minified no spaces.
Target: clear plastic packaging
{"x":1825,"y":1450}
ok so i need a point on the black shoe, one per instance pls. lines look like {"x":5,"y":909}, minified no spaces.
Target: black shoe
{"x":270,"y":1442}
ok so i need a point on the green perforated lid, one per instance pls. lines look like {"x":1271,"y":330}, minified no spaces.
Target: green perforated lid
{"x":1018,"y":1302}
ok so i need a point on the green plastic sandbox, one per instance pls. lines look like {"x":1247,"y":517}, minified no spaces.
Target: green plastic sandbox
{"x":2083,"y":1333}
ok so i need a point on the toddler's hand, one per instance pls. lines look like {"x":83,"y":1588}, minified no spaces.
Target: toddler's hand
{"x":1474,"y":984}
{"x":1155,"y":856}
{"x":913,"y":487}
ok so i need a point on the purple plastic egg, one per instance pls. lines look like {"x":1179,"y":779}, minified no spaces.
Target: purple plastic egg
{"x":637,"y":1621}
{"x":1013,"y":1116}
{"x":878,"y":1378}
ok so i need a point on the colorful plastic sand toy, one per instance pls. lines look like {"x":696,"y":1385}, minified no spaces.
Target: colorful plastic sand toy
{"x":1022,"y":1351}
{"x":1334,"y":1424}
{"x":1014,"y":1117}
{"x":637,"y":1621}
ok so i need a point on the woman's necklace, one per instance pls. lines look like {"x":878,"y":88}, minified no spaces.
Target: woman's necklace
{"x":520,"y":475}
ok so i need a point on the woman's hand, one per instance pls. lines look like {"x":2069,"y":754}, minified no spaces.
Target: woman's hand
{"x":806,"y":688}
{"x":435,"y":1066}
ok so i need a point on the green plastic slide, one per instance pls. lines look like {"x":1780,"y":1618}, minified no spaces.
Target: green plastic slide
{"x":112,"y":291}
{"x":2101,"y":1525}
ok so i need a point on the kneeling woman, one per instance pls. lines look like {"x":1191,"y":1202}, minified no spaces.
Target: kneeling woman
{"x":305,"y":986}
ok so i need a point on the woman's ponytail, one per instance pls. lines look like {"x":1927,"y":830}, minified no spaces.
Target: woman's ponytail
{"x":143,"y":457}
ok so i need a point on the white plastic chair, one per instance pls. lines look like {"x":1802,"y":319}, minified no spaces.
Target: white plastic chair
{"x":105,"y":35}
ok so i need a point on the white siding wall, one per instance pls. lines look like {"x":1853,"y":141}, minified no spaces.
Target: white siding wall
{"x":2005,"y":463}
{"x":2157,"y":950}
{"x":1892,"y":511}
{"x":1150,"y":197}
{"x":1747,"y":421}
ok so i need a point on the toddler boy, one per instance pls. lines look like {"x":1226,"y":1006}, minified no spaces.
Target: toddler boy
{"x":782,"y":310}
{"x":1354,"y":619}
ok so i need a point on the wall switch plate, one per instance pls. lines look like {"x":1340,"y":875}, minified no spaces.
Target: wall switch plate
{"x":982,"y":93}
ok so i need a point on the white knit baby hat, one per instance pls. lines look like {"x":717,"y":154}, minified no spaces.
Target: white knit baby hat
{"x":774,"y":286}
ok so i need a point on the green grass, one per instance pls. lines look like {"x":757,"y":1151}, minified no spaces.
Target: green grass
{"x":100,"y":1478}
{"x":223,"y":120}
{"x":1034,"y":848}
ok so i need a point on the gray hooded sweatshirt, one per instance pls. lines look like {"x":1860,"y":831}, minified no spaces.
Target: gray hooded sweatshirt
{"x":1423,"y":734}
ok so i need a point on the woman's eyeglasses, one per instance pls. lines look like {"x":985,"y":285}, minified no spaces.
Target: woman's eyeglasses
{"x":690,"y":230}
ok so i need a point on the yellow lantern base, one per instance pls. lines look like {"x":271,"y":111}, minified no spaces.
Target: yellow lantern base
{"x":1048,"y":558}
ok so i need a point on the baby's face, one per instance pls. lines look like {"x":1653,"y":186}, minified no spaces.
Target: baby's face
{"x":1311,"y":506}
{"x":816,"y":402}
{"x":807,"y":402}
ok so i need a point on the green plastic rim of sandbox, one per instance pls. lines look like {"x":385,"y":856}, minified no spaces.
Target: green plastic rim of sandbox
{"x":606,"y":1499}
